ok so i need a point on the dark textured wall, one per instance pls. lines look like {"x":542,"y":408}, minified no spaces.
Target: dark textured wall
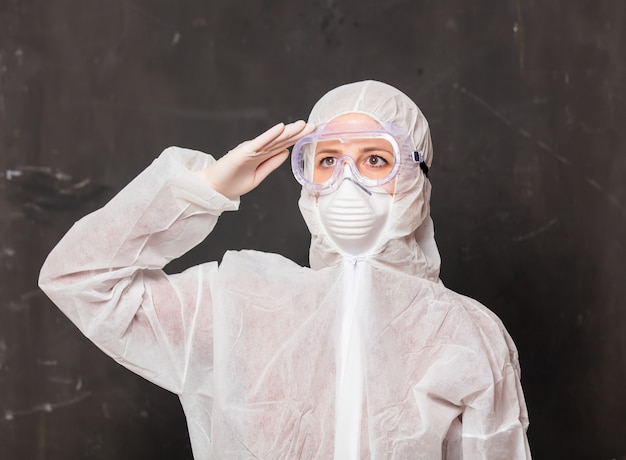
{"x":526,"y":101}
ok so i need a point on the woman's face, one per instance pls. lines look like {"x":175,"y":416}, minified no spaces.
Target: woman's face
{"x":374,"y":157}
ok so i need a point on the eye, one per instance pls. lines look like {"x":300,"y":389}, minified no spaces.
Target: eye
{"x":328,"y":162}
{"x":376,"y":161}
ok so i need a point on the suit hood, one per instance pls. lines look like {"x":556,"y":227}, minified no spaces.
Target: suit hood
{"x":407,"y":242}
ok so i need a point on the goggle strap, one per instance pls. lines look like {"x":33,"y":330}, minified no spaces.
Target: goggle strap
{"x":418,"y":157}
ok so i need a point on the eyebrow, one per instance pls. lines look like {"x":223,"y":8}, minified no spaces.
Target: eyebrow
{"x":364,"y":150}
{"x":376,"y":149}
{"x":327,"y":151}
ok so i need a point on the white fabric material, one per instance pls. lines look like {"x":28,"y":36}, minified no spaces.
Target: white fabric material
{"x":349,"y":399}
{"x":258,"y":348}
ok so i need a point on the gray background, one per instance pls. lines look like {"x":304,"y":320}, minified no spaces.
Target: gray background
{"x":526,"y":101}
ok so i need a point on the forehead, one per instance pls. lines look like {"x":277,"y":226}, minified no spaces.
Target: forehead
{"x":351,"y":122}
{"x":365,"y":143}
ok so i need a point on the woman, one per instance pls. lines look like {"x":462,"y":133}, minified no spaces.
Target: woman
{"x":364,"y":355}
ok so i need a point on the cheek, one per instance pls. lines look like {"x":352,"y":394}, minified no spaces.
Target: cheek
{"x":390,"y":187}
{"x":322,"y":174}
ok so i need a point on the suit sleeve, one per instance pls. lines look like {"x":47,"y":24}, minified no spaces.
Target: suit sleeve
{"x":106,"y":274}
{"x":495,"y":418}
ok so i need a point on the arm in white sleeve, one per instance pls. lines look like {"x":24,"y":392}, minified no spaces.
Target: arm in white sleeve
{"x":106,"y":273}
{"x":495,"y":421}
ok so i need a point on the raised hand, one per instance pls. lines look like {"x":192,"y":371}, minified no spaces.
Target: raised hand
{"x":248,"y":164}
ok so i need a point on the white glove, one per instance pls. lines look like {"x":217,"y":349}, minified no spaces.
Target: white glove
{"x":248,"y":164}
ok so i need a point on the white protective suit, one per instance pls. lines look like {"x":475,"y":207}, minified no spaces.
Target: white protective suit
{"x":351,"y":358}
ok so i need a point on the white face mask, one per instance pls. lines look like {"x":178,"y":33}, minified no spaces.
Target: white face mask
{"x":353,"y":217}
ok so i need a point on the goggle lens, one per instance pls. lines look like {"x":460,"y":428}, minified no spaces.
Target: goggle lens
{"x":373,"y":158}
{"x":319,"y":161}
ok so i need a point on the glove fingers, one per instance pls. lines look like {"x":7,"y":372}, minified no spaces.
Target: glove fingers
{"x":264,"y":138}
{"x":269,"y":165}
{"x":295,"y":131}
{"x":276,"y":139}
{"x":292,"y":133}
{"x":275,"y":152}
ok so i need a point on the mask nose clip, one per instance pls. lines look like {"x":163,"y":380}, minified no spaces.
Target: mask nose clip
{"x":348,"y":175}
{"x":361,"y":186}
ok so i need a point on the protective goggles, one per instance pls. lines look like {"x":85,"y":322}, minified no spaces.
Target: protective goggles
{"x":374,"y":159}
